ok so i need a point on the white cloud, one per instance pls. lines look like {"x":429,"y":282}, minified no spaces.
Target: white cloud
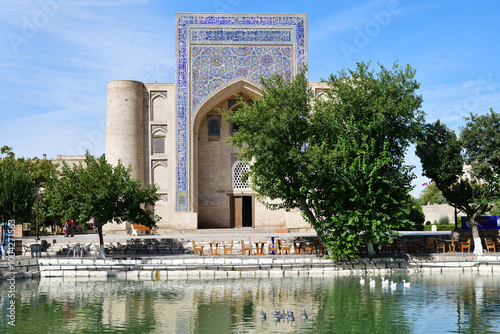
{"x":53,"y":91}
{"x":451,"y":102}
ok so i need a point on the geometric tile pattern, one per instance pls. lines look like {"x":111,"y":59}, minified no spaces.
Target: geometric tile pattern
{"x":213,"y":50}
{"x":214,"y":66}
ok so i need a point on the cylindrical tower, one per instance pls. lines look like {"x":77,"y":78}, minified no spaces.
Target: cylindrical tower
{"x":124,"y":125}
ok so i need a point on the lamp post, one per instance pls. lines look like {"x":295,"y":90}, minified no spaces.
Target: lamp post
{"x":41,"y":191}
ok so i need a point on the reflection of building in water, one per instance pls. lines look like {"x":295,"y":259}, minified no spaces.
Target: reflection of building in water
{"x":185,"y":306}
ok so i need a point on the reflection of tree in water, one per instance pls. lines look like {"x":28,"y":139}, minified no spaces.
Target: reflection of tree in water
{"x":344,"y":306}
{"x":475,"y":305}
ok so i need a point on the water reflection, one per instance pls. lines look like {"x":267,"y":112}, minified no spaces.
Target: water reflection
{"x":457,"y":302}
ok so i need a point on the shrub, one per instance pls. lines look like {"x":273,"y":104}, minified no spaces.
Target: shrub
{"x":444,"y":220}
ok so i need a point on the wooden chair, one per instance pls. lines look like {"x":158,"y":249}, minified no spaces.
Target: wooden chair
{"x":308,"y":247}
{"x":245,"y":249}
{"x":197,"y":249}
{"x":388,"y":248}
{"x":465,"y":245}
{"x":318,"y":246}
{"x":490,"y":244}
{"x":228,"y":248}
{"x":297,"y":247}
{"x":274,"y":248}
{"x":440,"y":246}
{"x":398,"y":246}
{"x":497,"y":244}
{"x":284,"y":248}
{"x":431,"y":244}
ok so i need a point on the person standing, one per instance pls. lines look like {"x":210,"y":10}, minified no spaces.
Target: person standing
{"x":72,"y":227}
{"x":66,"y":228}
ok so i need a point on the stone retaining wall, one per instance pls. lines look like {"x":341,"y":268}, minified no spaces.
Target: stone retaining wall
{"x":234,"y":267}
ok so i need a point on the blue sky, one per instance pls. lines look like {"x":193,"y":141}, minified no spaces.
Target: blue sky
{"x":56,"y":57}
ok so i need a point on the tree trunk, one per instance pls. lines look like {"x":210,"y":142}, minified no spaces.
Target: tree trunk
{"x":478,"y":245}
{"x":101,"y":241}
{"x":307,"y":211}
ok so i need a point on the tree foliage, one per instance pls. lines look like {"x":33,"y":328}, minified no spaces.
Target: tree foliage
{"x":98,"y":189}
{"x":443,"y":156}
{"x":16,"y":190}
{"x":340,"y":159}
{"x":432,"y":195}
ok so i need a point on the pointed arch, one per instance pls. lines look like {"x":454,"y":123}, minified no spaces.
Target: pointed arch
{"x":238,"y":86}
{"x":159,"y":107}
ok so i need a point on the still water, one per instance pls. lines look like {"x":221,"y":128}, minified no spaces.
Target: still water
{"x":435,"y":303}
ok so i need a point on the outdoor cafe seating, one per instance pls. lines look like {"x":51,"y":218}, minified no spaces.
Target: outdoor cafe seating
{"x":465,"y":245}
{"x":245,"y":249}
{"x":228,"y":248}
{"x":197,"y":249}
{"x":284,"y":248}
{"x":490,"y":244}
{"x":78,"y":248}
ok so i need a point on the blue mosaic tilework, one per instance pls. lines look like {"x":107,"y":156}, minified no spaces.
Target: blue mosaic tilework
{"x":212,"y":67}
{"x":283,"y":34}
{"x":241,"y":36}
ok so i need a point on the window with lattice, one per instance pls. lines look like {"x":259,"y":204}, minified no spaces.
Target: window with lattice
{"x":213,"y":127}
{"x":158,"y":145}
{"x":238,"y":171}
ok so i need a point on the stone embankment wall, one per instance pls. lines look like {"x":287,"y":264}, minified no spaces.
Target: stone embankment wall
{"x":246,"y":266}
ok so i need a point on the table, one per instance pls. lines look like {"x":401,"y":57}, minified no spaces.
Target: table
{"x":212,"y":245}
{"x":297,"y":247}
{"x":451,"y":245}
{"x":260,"y":248}
{"x":36,"y":249}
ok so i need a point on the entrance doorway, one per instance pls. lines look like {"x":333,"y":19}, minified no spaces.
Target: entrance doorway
{"x":241,"y":211}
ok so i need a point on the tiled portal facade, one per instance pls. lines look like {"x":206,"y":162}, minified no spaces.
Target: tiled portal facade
{"x":161,"y":129}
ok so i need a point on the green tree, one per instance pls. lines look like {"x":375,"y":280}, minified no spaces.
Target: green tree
{"x":443,"y":156}
{"x":339,"y":159}
{"x":432,"y":195}
{"x":98,"y":189}
{"x":16,"y":188}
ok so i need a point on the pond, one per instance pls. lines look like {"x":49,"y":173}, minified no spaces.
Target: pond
{"x":434,"y":303}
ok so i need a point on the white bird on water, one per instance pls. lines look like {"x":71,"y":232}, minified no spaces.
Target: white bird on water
{"x":385,"y":281}
{"x":372,"y":282}
{"x":393,"y":285}
{"x":361,"y":281}
{"x":406,"y":284}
